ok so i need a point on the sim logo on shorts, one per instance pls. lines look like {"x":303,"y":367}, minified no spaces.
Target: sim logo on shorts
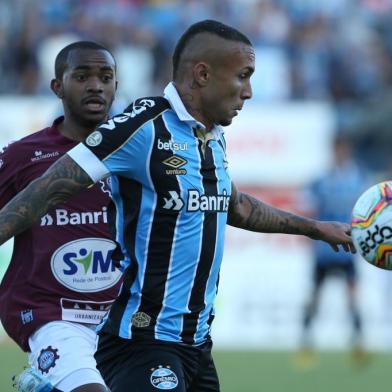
{"x":163,"y":378}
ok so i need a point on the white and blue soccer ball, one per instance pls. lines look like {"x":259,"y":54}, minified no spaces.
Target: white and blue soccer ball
{"x":371,"y":225}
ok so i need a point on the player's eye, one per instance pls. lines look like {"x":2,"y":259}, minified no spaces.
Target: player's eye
{"x":107,"y":78}
{"x":80,"y":77}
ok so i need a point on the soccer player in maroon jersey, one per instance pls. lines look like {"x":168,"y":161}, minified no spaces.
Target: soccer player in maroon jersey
{"x":61,"y":279}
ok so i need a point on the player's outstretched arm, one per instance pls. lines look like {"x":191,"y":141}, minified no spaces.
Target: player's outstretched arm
{"x":62,"y":180}
{"x":249,"y":213}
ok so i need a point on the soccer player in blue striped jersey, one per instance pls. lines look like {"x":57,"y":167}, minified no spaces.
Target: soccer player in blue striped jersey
{"x":173,"y":196}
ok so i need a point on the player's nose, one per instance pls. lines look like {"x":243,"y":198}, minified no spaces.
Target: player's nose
{"x":94,"y":85}
{"x":247,"y":92}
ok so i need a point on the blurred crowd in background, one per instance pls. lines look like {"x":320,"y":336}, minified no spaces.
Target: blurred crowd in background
{"x":339,"y":51}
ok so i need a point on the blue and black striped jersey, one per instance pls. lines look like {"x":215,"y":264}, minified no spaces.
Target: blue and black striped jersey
{"x":171,"y":190}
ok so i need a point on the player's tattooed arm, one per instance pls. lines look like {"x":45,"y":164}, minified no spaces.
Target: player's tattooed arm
{"x":61,"y":181}
{"x":249,"y":213}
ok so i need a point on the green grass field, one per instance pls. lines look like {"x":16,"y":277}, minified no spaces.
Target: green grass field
{"x":265,"y":372}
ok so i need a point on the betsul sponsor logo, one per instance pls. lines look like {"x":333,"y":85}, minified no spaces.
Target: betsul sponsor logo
{"x":85,"y":265}
{"x":169,"y":145}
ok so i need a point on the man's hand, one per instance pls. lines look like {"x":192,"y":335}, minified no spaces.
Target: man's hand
{"x":335,"y":234}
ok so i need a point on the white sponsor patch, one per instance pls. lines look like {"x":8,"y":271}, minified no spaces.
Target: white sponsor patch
{"x":85,"y":265}
{"x":88,"y":312}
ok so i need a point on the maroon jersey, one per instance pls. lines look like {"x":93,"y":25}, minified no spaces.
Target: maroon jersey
{"x":61,"y":268}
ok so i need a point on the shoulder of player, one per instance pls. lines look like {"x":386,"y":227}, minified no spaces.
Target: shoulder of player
{"x":147,"y":107}
{"x":138,"y":113}
{"x":17,"y":150}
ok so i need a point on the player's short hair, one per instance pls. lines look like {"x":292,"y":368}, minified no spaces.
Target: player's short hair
{"x":205,"y":26}
{"x":60,"y":63}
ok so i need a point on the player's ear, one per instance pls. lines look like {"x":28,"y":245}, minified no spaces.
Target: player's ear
{"x":201,"y":73}
{"x":57,"y":87}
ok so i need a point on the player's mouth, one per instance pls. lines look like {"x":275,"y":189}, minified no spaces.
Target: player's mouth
{"x":236,"y":110}
{"x":94,"y":104}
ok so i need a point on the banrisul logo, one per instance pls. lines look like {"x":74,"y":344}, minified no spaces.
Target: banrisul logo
{"x":199,"y":202}
{"x":85,"y":265}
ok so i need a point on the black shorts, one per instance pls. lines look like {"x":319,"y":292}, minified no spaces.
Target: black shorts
{"x":132,"y":366}
{"x":346,"y":270}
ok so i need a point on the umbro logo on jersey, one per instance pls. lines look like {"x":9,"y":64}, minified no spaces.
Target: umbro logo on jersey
{"x":198,"y":202}
{"x":175,"y":162}
{"x":63,"y":217}
{"x":169,"y":145}
{"x":174,"y":202}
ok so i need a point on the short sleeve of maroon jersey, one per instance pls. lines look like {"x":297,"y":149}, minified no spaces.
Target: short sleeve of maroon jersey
{"x":11,"y":164}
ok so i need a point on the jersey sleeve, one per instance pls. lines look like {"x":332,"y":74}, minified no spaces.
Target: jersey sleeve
{"x":10,"y":165}
{"x":89,"y":162}
{"x":122,"y":144}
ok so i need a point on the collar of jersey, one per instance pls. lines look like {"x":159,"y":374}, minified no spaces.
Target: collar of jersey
{"x":177,"y":105}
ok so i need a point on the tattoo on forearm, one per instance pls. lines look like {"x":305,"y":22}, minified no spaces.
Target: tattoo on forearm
{"x":248,"y":213}
{"x":57,"y":185}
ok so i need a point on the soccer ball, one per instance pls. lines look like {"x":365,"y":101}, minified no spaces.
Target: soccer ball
{"x":371,"y":225}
